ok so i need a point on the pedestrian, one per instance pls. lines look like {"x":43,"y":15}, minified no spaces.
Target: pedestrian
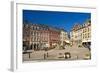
{"x":44,"y":56}
{"x":47,"y":54}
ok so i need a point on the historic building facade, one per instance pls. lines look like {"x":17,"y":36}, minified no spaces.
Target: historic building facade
{"x":63,"y":37}
{"x":27,"y":37}
{"x":54,"y":36}
{"x":80,"y":35}
{"x":40,"y":36}
{"x":86,"y":35}
{"x":76,"y":35}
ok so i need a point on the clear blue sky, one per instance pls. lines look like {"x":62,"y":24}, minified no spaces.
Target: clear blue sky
{"x":65,"y":20}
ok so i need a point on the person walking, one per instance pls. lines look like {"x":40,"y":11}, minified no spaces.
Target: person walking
{"x":44,"y":56}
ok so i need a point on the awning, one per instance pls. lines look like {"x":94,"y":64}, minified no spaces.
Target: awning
{"x":66,"y":41}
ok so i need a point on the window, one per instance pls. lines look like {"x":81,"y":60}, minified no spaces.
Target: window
{"x":37,"y":28}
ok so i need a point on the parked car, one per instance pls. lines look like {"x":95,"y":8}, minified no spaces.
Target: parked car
{"x":67,"y":55}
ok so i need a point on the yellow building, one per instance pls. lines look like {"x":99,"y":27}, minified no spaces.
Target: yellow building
{"x":80,"y":35}
{"x":86,"y":34}
{"x":76,"y":35}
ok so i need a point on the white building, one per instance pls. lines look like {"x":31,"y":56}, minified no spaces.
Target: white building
{"x":64,"y":37}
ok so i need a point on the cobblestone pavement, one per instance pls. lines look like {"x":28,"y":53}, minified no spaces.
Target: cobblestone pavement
{"x":57,"y":54}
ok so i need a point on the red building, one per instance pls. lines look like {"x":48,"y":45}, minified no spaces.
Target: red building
{"x":54,"y":37}
{"x":40,"y":37}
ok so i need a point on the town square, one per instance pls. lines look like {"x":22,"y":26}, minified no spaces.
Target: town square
{"x":51,"y":36}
